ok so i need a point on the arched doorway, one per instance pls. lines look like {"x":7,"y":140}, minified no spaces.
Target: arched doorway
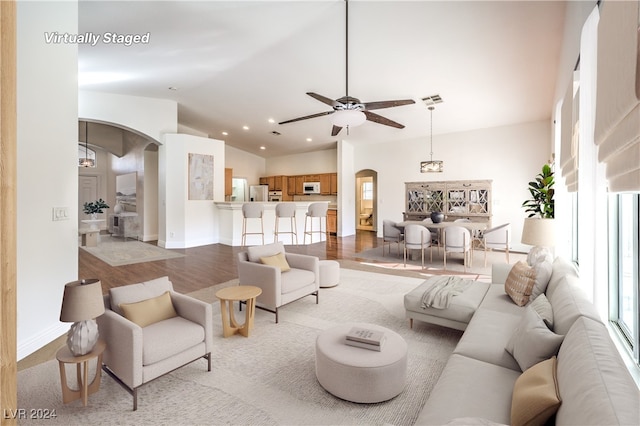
{"x":366,"y":200}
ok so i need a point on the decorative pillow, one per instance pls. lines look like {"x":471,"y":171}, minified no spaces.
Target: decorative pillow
{"x":535,"y":395}
{"x":520,"y":282}
{"x":542,"y":306}
{"x":256,"y":252}
{"x":531,"y":341}
{"x":278,"y":260}
{"x":149,"y":311}
{"x":543,"y":275}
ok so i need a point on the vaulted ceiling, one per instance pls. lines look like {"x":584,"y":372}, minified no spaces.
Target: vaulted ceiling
{"x":230,"y":64}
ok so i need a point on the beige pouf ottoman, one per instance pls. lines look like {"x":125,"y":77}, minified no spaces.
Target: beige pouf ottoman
{"x":329,"y":273}
{"x":357,"y":374}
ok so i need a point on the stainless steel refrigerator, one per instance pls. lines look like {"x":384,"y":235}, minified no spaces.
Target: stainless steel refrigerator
{"x":259,"y":193}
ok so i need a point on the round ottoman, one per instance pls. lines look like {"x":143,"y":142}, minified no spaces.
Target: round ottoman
{"x":329,"y":273}
{"x":357,"y":374}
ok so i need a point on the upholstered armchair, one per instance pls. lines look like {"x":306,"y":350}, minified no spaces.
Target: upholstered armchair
{"x":283,"y":277}
{"x":417,"y":237}
{"x":457,"y":240}
{"x":391,"y":234}
{"x":150,"y":330}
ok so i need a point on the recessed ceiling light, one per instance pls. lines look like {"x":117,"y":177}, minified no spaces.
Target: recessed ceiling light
{"x":309,"y":139}
{"x":225,"y":133}
{"x":263,"y":147}
{"x":245,"y":127}
{"x":271,"y":120}
{"x":173,"y":88}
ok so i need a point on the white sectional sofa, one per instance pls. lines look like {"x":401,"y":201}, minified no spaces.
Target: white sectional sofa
{"x":477,"y":383}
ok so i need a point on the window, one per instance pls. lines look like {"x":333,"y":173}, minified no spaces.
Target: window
{"x":367,"y":190}
{"x":626,"y":269}
{"x":85,"y":153}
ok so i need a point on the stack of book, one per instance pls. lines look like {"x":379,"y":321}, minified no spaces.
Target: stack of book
{"x":365,"y":338}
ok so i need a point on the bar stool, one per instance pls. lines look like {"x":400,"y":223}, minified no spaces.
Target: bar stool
{"x":252,"y":211}
{"x":286,"y":210}
{"x":318,"y":210}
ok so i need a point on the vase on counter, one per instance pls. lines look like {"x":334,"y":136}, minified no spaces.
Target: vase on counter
{"x":437,"y":217}
{"x":117,"y":209}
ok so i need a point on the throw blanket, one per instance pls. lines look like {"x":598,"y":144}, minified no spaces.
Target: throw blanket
{"x":438,"y":295}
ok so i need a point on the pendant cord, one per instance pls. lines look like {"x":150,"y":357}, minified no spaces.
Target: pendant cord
{"x":431,"y":131}
{"x":347,"y":47}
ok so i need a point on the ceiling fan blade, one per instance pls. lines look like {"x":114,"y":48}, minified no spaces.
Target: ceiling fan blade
{"x":324,"y":99}
{"x":306,"y":117}
{"x":335,"y":130}
{"x":387,"y":104}
{"x":382,"y":120}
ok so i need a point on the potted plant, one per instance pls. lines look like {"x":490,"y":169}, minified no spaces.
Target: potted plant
{"x":539,"y":225}
{"x":94,"y":207}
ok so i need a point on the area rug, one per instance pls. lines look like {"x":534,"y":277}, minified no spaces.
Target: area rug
{"x":455,"y":265}
{"x":269,"y":377}
{"x":118,"y":252}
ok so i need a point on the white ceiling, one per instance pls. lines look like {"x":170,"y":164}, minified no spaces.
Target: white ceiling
{"x":238,"y":63}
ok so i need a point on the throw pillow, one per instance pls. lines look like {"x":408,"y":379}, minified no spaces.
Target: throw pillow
{"x":532,"y":341}
{"x":256,"y":252}
{"x":535,"y":395}
{"x":149,"y":311}
{"x":543,"y":275}
{"x":542,"y":306}
{"x":278,"y":260}
{"x":520,"y":282}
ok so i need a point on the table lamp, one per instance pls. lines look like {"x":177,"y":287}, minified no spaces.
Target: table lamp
{"x":81,"y":303}
{"x":539,"y":232}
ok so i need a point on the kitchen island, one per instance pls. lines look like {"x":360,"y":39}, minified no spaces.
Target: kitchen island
{"x":231,"y":224}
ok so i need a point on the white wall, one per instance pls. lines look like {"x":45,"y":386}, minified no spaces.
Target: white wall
{"x":149,"y":116}
{"x":510,"y":156}
{"x":47,"y":137}
{"x":324,"y":161}
{"x":183,"y":222}
{"x":347,"y":189}
{"x":245,"y":165}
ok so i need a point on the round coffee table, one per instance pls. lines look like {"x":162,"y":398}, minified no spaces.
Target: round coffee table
{"x":238,"y":293}
{"x":357,"y":374}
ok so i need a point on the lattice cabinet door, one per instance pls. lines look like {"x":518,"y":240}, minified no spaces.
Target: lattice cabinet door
{"x":415,"y":200}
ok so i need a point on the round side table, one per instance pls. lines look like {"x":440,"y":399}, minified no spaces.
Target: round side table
{"x":64,"y":356}
{"x":238,"y":293}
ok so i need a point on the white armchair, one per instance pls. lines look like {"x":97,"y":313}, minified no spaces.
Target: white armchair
{"x":170,"y":331}
{"x":278,"y":288}
{"x":498,"y":237}
{"x":391,"y":234}
{"x":457,"y":240}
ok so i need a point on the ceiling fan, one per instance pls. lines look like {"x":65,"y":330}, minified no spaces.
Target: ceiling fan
{"x":347,"y":110}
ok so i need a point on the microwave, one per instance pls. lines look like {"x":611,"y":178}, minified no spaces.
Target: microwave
{"x":311,"y":188}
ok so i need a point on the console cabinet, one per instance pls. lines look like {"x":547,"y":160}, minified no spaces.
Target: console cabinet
{"x":457,"y":199}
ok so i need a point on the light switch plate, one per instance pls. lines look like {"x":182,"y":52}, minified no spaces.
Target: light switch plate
{"x":60,"y":213}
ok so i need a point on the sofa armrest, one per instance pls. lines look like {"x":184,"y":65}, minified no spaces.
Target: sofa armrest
{"x":195,"y":311}
{"x":500,"y":272}
{"x":123,"y":354}
{"x":266,"y":277}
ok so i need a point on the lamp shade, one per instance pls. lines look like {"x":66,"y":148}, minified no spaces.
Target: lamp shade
{"x":82,"y":300}
{"x":539,"y":232}
{"x":348,"y":118}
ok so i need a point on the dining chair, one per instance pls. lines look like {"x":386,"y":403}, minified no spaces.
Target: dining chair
{"x":391,"y":234}
{"x":498,"y":237}
{"x":457,"y":239}
{"x":417,"y":237}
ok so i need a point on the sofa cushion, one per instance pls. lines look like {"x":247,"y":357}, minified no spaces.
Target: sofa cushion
{"x":296,"y":279}
{"x":542,"y":306}
{"x":561,"y":268}
{"x":468,"y":387}
{"x":149,"y":311}
{"x":569,"y":302}
{"x":137,"y":292}
{"x":532,"y":341}
{"x":278,"y":260}
{"x":520,"y":282}
{"x":256,"y":252}
{"x":167,"y":338}
{"x":486,"y":337}
{"x":594,"y":384}
{"x":543,"y":272}
{"x":496,"y":299}
{"x":535,"y":395}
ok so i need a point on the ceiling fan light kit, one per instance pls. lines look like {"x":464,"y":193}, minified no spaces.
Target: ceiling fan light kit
{"x":431,"y":166}
{"x":349,"y":111}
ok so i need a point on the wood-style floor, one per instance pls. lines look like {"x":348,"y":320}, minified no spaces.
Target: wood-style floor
{"x":205,"y":266}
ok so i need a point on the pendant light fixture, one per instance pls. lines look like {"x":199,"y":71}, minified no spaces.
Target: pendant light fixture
{"x":432,"y":165}
{"x":86,"y":161}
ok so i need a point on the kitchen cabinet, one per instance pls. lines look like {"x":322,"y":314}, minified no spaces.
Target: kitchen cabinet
{"x":291,"y":185}
{"x":228,"y":182}
{"x":469,"y":199}
{"x":264,"y":181}
{"x":334,"y":183}
{"x":277,"y":183}
{"x":312,"y":178}
{"x":332,"y":221}
{"x":300,"y":180}
{"x":325,"y":184}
